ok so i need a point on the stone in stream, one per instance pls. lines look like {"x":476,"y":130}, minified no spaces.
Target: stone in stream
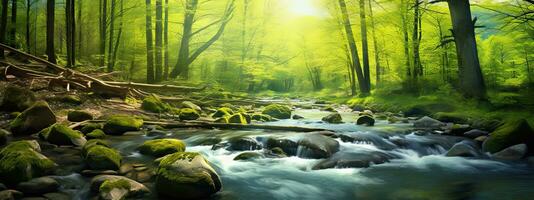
{"x":334,"y":118}
{"x":297,"y":117}
{"x":117,"y":187}
{"x":34,"y":119}
{"x":242,"y":144}
{"x":99,"y":156}
{"x":353,"y":160}
{"x":248,"y":156}
{"x":316,"y":146}
{"x":90,"y":127}
{"x":57,"y":196}
{"x":10,"y":195}
{"x":261,"y":118}
{"x":238,"y":118}
{"x":162,"y":147}
{"x":365,"y":120}
{"x":463,"y":149}
{"x":513,"y":153}
{"x":38,"y":186}
{"x":186,"y":175}
{"x":21,"y":161}
{"x":60,"y":134}
{"x":120,"y":124}
{"x":510,"y":133}
{"x":96,"y":134}
{"x":475,"y":133}
{"x":428,"y":123}
{"x":16,"y":98}
{"x":328,"y":109}
{"x":286,"y":145}
{"x":188,"y":114}
{"x":277,"y":111}
{"x":79,"y":116}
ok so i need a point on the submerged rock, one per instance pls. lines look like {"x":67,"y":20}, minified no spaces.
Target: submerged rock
{"x":509,"y":134}
{"x":513,"y":153}
{"x":162,"y":147}
{"x":277,"y":111}
{"x":34,"y":119}
{"x":334,"y":118}
{"x":353,"y":160}
{"x":119,"y":124}
{"x":186,"y":175}
{"x":248,"y":156}
{"x":21,"y":161}
{"x":429,"y":123}
{"x":79,"y":116}
{"x":16,"y":98}
{"x":365,"y":120}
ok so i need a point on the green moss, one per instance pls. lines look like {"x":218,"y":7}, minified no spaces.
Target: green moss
{"x":79,"y":116}
{"x":3,"y":136}
{"x":223,"y":120}
{"x":154,"y":104}
{"x":248,"y":156}
{"x":100,"y":157}
{"x":61,"y":134}
{"x":365,"y":120}
{"x":16,"y":98}
{"x":162,"y":147}
{"x":512,"y":132}
{"x":334,"y":118}
{"x":277,"y":111}
{"x":237,"y":119}
{"x":34,"y":119}
{"x":92,"y":143}
{"x":453,"y":117}
{"x":19,"y":161}
{"x":188,"y":114}
{"x":222,"y":112}
{"x":261,"y":117}
{"x":96,"y":134}
{"x":119,"y":124}
{"x":90,"y":127}
{"x":14,"y":115}
{"x":109,"y":185}
{"x":70,"y":99}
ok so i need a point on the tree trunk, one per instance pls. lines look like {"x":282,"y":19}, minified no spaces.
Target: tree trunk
{"x":50,"y":20}
{"x":112,"y":16}
{"x":159,"y":41}
{"x":375,"y":45}
{"x":80,"y":29}
{"x":119,"y":36}
{"x":103,"y":30}
{"x":13,"y":25}
{"x":166,"y":42}
{"x":182,"y":66}
{"x":149,"y":42}
{"x":353,"y":49}
{"x":470,"y":75}
{"x":415,"y":41}
{"x":365,"y":45}
{"x":28,"y":31}
{"x":3,"y":25}
{"x":71,"y":32}
{"x":406,"y":40}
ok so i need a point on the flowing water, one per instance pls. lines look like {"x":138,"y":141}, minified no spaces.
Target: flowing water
{"x":418,"y":170}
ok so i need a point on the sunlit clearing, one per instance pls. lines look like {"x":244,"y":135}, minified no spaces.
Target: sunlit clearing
{"x":305,"y":8}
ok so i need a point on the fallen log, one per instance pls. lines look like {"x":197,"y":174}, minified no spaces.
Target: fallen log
{"x":156,"y":88}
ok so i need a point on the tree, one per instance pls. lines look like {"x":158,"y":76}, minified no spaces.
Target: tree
{"x":150,"y":78}
{"x":50,"y":20}
{"x":166,"y":42}
{"x":3,"y":25}
{"x":185,"y":56}
{"x":365,"y":47}
{"x":70,"y":23}
{"x":111,"y":35}
{"x":159,"y":41}
{"x":406,"y":40}
{"x":416,"y":40}
{"x":13,"y":28}
{"x":103,"y":22}
{"x":378,"y":70}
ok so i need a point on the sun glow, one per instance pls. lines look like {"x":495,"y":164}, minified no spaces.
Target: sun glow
{"x":305,"y":8}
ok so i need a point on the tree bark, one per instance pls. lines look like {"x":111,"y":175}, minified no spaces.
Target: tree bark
{"x":112,"y":16}
{"x":50,"y":21}
{"x":3,"y":25}
{"x":28,"y":35}
{"x":416,"y":41}
{"x":365,"y":45}
{"x":13,"y":26}
{"x":150,"y":78}
{"x":71,"y":32}
{"x":159,"y":41}
{"x":103,"y":30}
{"x":166,"y":42}
{"x":182,"y":65}
{"x":406,"y":40}
{"x":80,"y":29}
{"x":375,"y":45}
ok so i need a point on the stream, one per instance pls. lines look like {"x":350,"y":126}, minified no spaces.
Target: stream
{"x":418,"y":168}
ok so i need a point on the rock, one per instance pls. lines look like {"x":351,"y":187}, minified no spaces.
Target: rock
{"x":90,"y":127}
{"x":188,"y":104}
{"x":316,"y":146}
{"x":70,"y":99}
{"x":353,"y":160}
{"x":329,"y":109}
{"x":261,"y":118}
{"x":16,"y":98}
{"x":475,"y":133}
{"x":287,"y":145}
{"x":428,"y":123}
{"x":119,"y":124}
{"x":277,"y":111}
{"x":357,"y":108}
{"x":277,"y":152}
{"x":451,"y":117}
{"x":513,"y":153}
{"x":189,"y":114}
{"x":365,"y":120}
{"x":38,"y":186}
{"x":109,"y":186}
{"x":367,"y":112}
{"x":237,"y":119}
{"x":152,"y":103}
{"x":242,"y":144}
{"x":92,"y":173}
{"x":297,"y":117}
{"x":79,"y":116}
{"x":481,"y":139}
{"x":3,"y":136}
{"x":162,"y":147}
{"x":21,"y":161}
{"x":334,"y":118}
{"x":98,"y":156}
{"x":96,"y":134}
{"x":10,"y":195}
{"x":186,"y":175}
{"x":428,"y":109}
{"x":34,"y":119}
{"x":463,"y":149}
{"x":154,"y":133}
{"x":57,"y":196}
{"x":457,"y":129}
{"x":248,"y":156}
{"x":60,"y":134}
{"x":222,"y":112}
{"x":510,"y":133}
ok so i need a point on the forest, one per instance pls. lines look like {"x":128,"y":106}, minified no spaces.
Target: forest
{"x":266,"y":99}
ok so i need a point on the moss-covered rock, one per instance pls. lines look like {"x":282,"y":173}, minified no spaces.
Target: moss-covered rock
{"x":261,"y":117}
{"x":223,"y":120}
{"x":21,"y":161}
{"x":186,"y":175}
{"x":3,"y":136}
{"x":248,"y":156}
{"x":60,"y":134}
{"x":119,"y":124}
{"x":79,"y":116}
{"x":101,"y":157}
{"x":188,"y":114}
{"x":16,"y":98}
{"x":365,"y":120}
{"x":334,"y":118}
{"x":70,"y":99}
{"x":154,"y":104}
{"x":237,"y":119}
{"x":188,"y":104}
{"x":510,"y":133}
{"x":452,"y":117}
{"x":162,"y":147}
{"x":91,"y":143}
{"x":117,"y":187}
{"x":96,"y":134}
{"x":34,"y":119}
{"x":277,"y":111}
{"x":114,"y":189}
{"x":329,"y":109}
{"x":90,"y":127}
{"x":222,"y":112}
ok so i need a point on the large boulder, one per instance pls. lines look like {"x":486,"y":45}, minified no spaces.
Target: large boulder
{"x":242,"y":144}
{"x":162,"y":147}
{"x":510,"y":133}
{"x":111,"y":187}
{"x":98,"y":156}
{"x":120,"y":124}
{"x":38,"y":186}
{"x":223,"y":112}
{"x":79,"y":116}
{"x":353,"y":160}
{"x":277,"y":111}
{"x":60,"y":134}
{"x":16,"y":98}
{"x":463,"y":149}
{"x":154,"y":104}
{"x":21,"y":161}
{"x":316,"y":146}
{"x":186,"y":175}
{"x":334,"y":118}
{"x":189,"y":114}
{"x":428,"y":123}
{"x":365,"y":120}
{"x":34,"y":119}
{"x":513,"y":153}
